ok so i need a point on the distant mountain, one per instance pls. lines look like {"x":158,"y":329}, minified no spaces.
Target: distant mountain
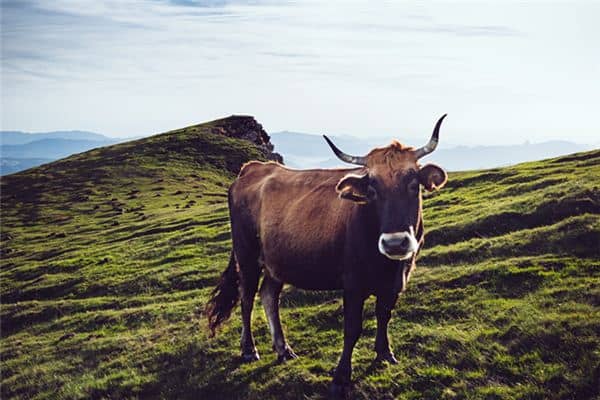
{"x":18,"y":137}
{"x":23,"y":150}
{"x":50,"y":148}
{"x":302,"y":150}
{"x":12,"y":165}
{"x":308,"y":150}
{"x":461,"y":158}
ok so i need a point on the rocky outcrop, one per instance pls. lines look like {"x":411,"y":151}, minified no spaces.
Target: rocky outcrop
{"x":247,"y":128}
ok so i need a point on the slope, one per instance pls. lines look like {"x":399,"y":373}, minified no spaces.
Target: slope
{"x":108,"y":258}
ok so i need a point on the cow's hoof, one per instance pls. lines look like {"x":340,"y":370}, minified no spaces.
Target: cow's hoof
{"x":389,"y":357}
{"x":288,"y":354}
{"x":339,"y":391}
{"x":250,"y":357}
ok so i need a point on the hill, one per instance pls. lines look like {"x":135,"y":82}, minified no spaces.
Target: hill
{"x":302,"y":150}
{"x":109,"y":256}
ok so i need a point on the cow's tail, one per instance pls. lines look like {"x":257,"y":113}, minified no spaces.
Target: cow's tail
{"x":224,"y":297}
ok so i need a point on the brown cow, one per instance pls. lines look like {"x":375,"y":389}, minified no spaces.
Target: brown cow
{"x":353,"y":229}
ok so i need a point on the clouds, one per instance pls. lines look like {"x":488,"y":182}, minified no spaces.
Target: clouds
{"x":67,"y":39}
{"x":132,"y":67}
{"x":41,"y":37}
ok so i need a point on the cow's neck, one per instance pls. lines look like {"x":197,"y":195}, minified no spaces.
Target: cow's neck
{"x":387,"y":274}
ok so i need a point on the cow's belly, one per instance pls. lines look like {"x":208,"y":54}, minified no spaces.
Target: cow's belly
{"x":305,"y":276}
{"x":309,"y":265}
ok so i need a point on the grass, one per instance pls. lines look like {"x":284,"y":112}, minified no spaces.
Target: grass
{"x":108,"y":258}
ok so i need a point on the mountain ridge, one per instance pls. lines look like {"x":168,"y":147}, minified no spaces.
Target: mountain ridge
{"x":21,"y":137}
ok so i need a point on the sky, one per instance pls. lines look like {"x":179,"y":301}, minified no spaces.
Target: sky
{"x":505,"y":72}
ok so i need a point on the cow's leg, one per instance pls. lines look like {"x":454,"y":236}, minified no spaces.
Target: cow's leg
{"x":353,"y":307}
{"x":383,"y":311}
{"x":249,"y":274}
{"x":270,"y":290}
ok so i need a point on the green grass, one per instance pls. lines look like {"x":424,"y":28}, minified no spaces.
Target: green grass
{"x":108,"y":258}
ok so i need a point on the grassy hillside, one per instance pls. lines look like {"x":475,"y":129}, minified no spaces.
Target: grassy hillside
{"x":108,"y":258}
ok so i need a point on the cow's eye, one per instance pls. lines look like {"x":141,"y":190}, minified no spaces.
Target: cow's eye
{"x":413,"y":187}
{"x":371,"y":193}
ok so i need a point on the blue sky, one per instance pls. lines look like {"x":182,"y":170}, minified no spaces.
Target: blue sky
{"x":505,"y":71}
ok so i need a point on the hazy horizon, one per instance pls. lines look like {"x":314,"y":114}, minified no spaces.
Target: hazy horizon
{"x":371,"y":138}
{"x":505,"y":73}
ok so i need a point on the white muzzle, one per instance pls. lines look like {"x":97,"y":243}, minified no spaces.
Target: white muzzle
{"x":398,"y":245}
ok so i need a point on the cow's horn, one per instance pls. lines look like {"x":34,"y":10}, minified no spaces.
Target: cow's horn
{"x":433,"y":142}
{"x":345,"y":157}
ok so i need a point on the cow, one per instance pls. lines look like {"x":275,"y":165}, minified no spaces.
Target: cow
{"x":358,"y":230}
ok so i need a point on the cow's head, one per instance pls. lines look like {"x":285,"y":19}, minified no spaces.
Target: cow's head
{"x":391,"y":182}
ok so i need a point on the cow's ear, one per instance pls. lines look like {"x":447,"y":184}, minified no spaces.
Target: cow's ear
{"x":432,"y":177}
{"x":354,"y":187}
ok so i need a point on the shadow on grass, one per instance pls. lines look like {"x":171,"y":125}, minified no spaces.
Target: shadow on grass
{"x":292,"y":297}
{"x":511,"y":282}
{"x":193,"y":373}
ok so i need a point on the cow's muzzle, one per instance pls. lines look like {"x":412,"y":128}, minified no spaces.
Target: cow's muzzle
{"x":398,"y":245}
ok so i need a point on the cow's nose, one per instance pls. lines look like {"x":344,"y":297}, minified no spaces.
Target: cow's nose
{"x":396,"y":245}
